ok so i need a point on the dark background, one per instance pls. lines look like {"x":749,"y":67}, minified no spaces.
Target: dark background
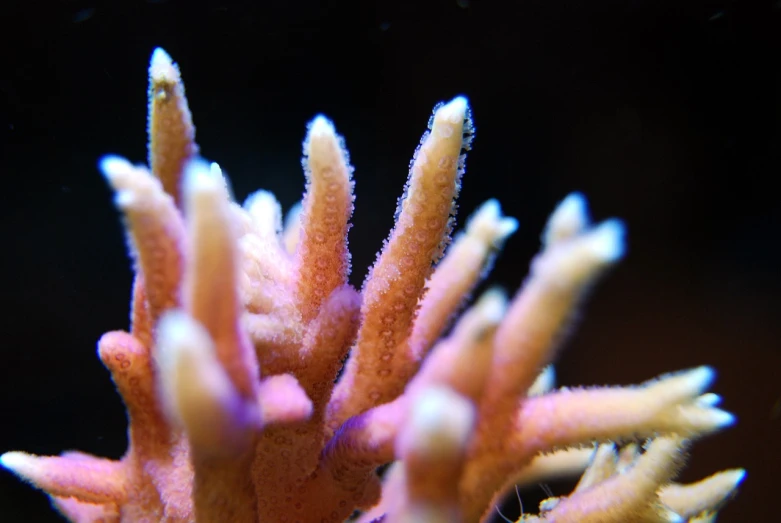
{"x":663,"y":112}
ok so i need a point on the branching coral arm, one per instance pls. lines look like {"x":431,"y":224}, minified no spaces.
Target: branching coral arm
{"x":266,"y":270}
{"x":627,"y":497}
{"x":321,"y":259}
{"x":171,"y":132}
{"x":465,"y":262}
{"x":155,"y":229}
{"x":85,"y":477}
{"x":525,"y":341}
{"x":574,"y":417}
{"x":540,"y":312}
{"x":132,"y":370}
{"x":704,"y":496}
{"x":200,"y":396}
{"x":210,"y":281}
{"x":395,"y":283}
{"x":553,"y":465}
{"x":431,"y":446}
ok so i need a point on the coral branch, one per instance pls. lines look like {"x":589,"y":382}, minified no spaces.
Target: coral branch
{"x":132,"y":370}
{"x":431,"y":447}
{"x":464,"y":264}
{"x":703,"y":496}
{"x":210,"y":284}
{"x":322,"y":261}
{"x":87,"y":478}
{"x":171,"y":131}
{"x":392,"y":290}
{"x":573,"y":417}
{"x":156,"y":231}
{"x":627,"y":497}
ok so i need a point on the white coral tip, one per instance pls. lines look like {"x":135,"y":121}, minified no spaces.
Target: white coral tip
{"x":488,"y":223}
{"x":700,"y":378}
{"x":200,"y":177}
{"x":607,"y":240}
{"x":112,"y":166}
{"x":441,"y":422}
{"x":14,"y":461}
{"x":708,"y":400}
{"x":492,"y":305}
{"x":721,"y":418}
{"x":320,"y":126}
{"x":569,"y":219}
{"x":160,"y":57}
{"x":455,"y":110}
{"x":162,"y":68}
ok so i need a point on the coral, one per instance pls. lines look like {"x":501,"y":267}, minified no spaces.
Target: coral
{"x":239,"y":408}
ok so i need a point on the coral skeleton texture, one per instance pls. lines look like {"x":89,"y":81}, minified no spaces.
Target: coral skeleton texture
{"x":240,"y":408}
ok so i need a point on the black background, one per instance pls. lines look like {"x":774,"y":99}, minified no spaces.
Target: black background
{"x":663,"y":112}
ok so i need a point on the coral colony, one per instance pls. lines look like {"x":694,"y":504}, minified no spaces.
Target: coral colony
{"x":239,"y":409}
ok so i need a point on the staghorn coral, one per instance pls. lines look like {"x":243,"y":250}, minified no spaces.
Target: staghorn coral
{"x":237,"y":407}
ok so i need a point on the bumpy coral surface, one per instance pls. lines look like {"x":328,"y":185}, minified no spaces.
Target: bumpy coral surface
{"x":240,"y":408}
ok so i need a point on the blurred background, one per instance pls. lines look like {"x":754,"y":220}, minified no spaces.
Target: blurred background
{"x":663,"y":112}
